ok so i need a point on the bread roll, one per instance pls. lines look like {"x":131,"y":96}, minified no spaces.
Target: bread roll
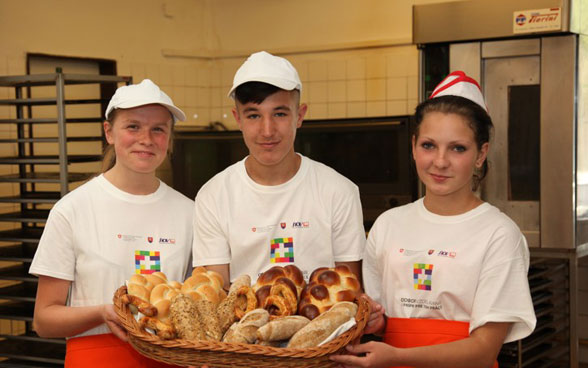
{"x":290,"y":273}
{"x":164,"y":330}
{"x":323,"y":326}
{"x":184,"y":318}
{"x":139,"y":286}
{"x":243,"y":280}
{"x":326,"y":287}
{"x":282,"y":328}
{"x":245,"y":330}
{"x":204,"y":284}
{"x":246,"y":301}
{"x":277,"y":290}
{"x":161,"y":297}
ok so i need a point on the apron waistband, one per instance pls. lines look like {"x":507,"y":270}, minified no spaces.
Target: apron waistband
{"x":105,"y":350}
{"x":415,"y":332}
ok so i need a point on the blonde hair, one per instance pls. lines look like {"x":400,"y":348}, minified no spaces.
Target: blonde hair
{"x":109,"y":155}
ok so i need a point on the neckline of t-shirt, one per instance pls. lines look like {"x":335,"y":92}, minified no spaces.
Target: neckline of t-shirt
{"x":133,"y":198}
{"x":275,"y":188}
{"x":433,"y":217}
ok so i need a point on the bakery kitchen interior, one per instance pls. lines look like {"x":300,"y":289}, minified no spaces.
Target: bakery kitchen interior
{"x":364,"y":67}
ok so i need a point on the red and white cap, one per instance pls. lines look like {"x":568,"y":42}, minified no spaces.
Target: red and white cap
{"x":459,"y":84}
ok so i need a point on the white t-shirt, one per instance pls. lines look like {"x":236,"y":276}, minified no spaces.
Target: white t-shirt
{"x":470,"y":268}
{"x":97,"y":236}
{"x":312,"y":220}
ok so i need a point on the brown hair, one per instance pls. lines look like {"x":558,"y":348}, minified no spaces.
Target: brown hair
{"x":109,"y":155}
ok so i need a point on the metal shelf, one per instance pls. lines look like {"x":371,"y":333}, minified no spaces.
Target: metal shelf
{"x":28,"y":216}
{"x":51,"y":139}
{"x":51,"y":79}
{"x":43,"y":177}
{"x":47,"y":159}
{"x":25,"y":235}
{"x":32,"y":197}
{"x":23,"y":292}
{"x":50,"y":120}
{"x":18,"y":273}
{"x":19,"y":245}
{"x":49,"y":101}
{"x":20,"y":311}
{"x":20,"y":252}
{"x":32,"y":351}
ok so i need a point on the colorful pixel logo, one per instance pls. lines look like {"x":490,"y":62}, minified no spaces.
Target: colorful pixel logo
{"x":147,"y":262}
{"x":282,"y":250}
{"x":423,"y":273}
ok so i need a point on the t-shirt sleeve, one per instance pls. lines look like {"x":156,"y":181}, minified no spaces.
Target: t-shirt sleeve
{"x":371,"y":267}
{"x":55,"y":255}
{"x":348,"y":233}
{"x":503,"y":293}
{"x":210,"y":245}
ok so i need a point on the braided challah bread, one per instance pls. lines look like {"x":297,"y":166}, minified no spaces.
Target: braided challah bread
{"x":204,"y":284}
{"x":161,"y":297}
{"x":326,"y":287}
{"x":278,"y":289}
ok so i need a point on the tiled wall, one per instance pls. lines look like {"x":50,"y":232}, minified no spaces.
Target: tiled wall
{"x":346,"y":84}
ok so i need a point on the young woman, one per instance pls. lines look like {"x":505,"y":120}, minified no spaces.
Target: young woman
{"x":447,"y":273}
{"x":121,"y":222}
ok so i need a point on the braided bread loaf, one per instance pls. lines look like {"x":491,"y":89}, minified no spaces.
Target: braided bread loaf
{"x":278,"y":289}
{"x":160,"y":298}
{"x":139,"y":288}
{"x":204,"y":284}
{"x":326,"y":287}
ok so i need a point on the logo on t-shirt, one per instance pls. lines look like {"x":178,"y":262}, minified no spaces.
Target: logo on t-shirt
{"x":301,"y":224}
{"x":147,"y":262}
{"x":423,"y":274}
{"x":282,"y":250}
{"x":283,"y":225}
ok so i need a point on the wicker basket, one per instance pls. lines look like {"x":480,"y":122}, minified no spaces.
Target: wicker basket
{"x":222,"y":354}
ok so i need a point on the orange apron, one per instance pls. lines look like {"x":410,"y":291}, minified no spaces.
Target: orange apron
{"x":105,"y":350}
{"x":415,"y":332}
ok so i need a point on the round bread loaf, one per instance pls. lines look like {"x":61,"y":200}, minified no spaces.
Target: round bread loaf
{"x":326,"y":287}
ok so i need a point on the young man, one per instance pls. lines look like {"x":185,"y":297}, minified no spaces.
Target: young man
{"x":275,"y":207}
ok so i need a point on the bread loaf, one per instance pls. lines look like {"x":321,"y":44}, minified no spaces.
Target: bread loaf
{"x":204,"y":284}
{"x":208,"y":319}
{"x":277,"y":290}
{"x":282,"y":328}
{"x":184,"y":318}
{"x":326,"y":287}
{"x":139,"y":286}
{"x":226,"y":312}
{"x":323,"y":326}
{"x":161,"y":297}
{"x":243,"y":280}
{"x":245,"y":331}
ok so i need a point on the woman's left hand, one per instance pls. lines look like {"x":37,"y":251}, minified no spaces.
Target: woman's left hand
{"x":372,"y":354}
{"x":111,"y":319}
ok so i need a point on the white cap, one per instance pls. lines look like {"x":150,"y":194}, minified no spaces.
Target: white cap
{"x":459,"y":84}
{"x":265,"y":67}
{"x":144,"y":93}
